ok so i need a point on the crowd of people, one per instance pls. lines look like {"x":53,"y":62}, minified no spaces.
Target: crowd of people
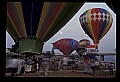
{"x":19,"y":64}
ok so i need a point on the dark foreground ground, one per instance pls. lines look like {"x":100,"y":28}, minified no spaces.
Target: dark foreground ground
{"x":69,"y":73}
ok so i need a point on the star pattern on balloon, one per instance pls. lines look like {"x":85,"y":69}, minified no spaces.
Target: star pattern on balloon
{"x":95,"y":17}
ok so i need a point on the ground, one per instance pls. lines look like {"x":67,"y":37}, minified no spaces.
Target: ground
{"x":69,"y":73}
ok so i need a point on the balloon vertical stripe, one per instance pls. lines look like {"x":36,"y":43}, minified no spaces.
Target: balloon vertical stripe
{"x":11,"y":14}
{"x":17,"y":18}
{"x":89,"y":24}
{"x":20,"y":14}
{"x":9,"y":20}
{"x":53,"y":13}
{"x":43,"y":15}
{"x":55,"y":19}
{"x":46,"y":18}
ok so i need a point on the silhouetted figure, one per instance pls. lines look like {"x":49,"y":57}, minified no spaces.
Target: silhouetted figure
{"x":93,"y":66}
{"x":111,"y":68}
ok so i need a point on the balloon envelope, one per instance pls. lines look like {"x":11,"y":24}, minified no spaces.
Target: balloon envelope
{"x":66,"y":45}
{"x":96,"y":22}
{"x":33,"y":23}
{"x":84,"y":42}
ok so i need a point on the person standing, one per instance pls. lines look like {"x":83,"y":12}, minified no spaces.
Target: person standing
{"x":12,"y":64}
{"x":23,"y":65}
{"x":19,"y":67}
{"x":59,"y":64}
{"x":92,"y":63}
{"x":73,"y":64}
{"x":65,"y":62}
{"x":46,"y":62}
{"x":111,"y":68}
{"x":97,"y":65}
{"x":76,"y":63}
{"x":37,"y":65}
{"x":29,"y":62}
{"x":87,"y":65}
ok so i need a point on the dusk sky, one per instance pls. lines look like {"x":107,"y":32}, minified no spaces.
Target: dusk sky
{"x":74,"y":30}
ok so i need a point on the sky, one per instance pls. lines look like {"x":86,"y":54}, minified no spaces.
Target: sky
{"x":74,"y":30}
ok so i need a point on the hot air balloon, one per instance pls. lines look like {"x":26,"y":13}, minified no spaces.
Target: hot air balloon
{"x":96,"y":22}
{"x":84,"y":42}
{"x":83,"y":45}
{"x":66,"y":45}
{"x":33,"y":23}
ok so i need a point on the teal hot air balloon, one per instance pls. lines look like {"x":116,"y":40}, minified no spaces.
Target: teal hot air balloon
{"x":33,"y":23}
{"x":96,"y":22}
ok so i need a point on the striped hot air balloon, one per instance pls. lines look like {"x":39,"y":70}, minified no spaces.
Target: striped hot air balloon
{"x":96,"y":22}
{"x":33,"y":23}
{"x":84,"y":42}
{"x":66,"y":45}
